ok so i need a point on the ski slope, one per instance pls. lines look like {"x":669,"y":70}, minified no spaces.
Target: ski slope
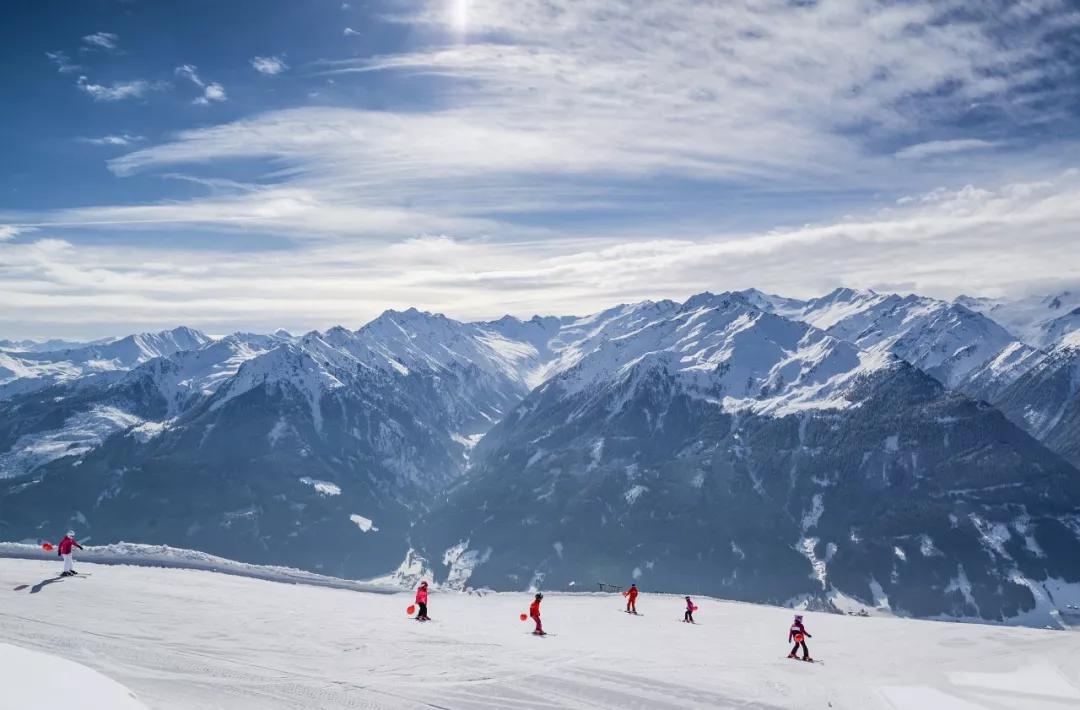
{"x":39,"y":680}
{"x":183,"y":638}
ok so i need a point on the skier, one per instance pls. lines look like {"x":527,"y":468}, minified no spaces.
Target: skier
{"x":631,"y":599}
{"x":534,"y":612}
{"x":799,"y":634}
{"x":63,"y":549}
{"x":689,"y":615}
{"x":421,"y":601}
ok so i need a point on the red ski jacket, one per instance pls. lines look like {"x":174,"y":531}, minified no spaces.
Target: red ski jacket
{"x":797,"y":629}
{"x":66,"y":544}
{"x":534,"y":609}
{"x":421,"y":595}
{"x":632,"y":594}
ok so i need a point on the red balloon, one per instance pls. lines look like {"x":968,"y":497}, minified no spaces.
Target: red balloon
{"x":524,"y":616}
{"x":694,"y":609}
{"x":47,"y":547}
{"x":411,"y":610}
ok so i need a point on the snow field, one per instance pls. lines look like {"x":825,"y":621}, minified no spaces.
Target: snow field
{"x":35,"y":680}
{"x":196,"y":639}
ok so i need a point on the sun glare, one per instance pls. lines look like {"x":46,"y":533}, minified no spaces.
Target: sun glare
{"x":460,"y":15}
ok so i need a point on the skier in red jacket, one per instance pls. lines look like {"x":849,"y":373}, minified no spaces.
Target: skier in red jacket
{"x":799,"y":634}
{"x":63,"y":549}
{"x":421,"y":601}
{"x":631,"y":599}
{"x":534,"y":612}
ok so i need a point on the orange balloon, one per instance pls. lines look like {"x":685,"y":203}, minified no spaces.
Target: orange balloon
{"x":524,"y":616}
{"x":47,"y":547}
{"x":411,"y":610}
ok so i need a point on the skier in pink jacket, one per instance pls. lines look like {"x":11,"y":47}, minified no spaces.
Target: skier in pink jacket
{"x":421,"y":601}
{"x":64,"y":549}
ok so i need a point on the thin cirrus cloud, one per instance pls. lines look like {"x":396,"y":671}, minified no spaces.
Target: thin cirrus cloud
{"x":269,"y":66}
{"x":750,"y":92}
{"x":118,"y":91}
{"x":211,"y":90}
{"x":101,"y":40}
{"x":55,"y":282}
{"x":115,"y":139}
{"x":573,"y":105}
{"x":64,"y":65}
{"x":932,"y":149}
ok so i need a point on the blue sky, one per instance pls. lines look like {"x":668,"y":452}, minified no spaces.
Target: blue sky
{"x":256,"y":164}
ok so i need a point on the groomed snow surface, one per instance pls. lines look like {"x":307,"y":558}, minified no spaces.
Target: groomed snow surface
{"x":182,"y":638}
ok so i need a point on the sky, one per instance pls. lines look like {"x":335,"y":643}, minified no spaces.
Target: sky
{"x":257,"y":164}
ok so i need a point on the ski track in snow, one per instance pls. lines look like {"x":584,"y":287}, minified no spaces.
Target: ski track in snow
{"x":182,"y":638}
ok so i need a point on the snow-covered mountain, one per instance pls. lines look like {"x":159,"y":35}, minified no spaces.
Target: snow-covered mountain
{"x":723,"y":447}
{"x":1045,"y":399}
{"x":1040,"y":321}
{"x":22,"y":372}
{"x":792,"y":446}
{"x":945,"y":340}
{"x":51,"y":345}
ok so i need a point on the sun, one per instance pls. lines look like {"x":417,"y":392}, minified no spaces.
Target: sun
{"x":460,"y":15}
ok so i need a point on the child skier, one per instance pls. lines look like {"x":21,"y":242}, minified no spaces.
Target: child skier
{"x":63,"y":549}
{"x":799,"y":634}
{"x":631,"y":599}
{"x":421,"y":601}
{"x":688,"y":617}
{"x":534,"y":612}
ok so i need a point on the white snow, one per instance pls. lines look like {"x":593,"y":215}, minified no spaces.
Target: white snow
{"x":811,"y":517}
{"x":469,"y":441}
{"x":1039,"y":320}
{"x":325,"y":488}
{"x":76,"y":437}
{"x":148,"y":430}
{"x":412,"y":570}
{"x":807,"y":546}
{"x":635,"y":492}
{"x":33,"y":680}
{"x":365,"y":524}
{"x":182,"y":639}
{"x":462,"y":562}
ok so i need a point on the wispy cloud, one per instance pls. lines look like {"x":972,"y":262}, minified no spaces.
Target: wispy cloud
{"x":63,"y":64}
{"x":615,"y":105}
{"x":115,"y":139}
{"x":269,"y":65}
{"x":118,"y":91}
{"x":950,"y":242}
{"x":350,"y":32}
{"x":101,"y":40}
{"x":932,"y":149}
{"x":211,"y":90}
{"x":9,"y":231}
{"x":767,"y":94}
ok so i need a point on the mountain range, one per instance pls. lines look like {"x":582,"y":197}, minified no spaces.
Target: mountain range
{"x":896,"y":450}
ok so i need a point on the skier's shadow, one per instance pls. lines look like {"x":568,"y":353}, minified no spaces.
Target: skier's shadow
{"x":39,"y":586}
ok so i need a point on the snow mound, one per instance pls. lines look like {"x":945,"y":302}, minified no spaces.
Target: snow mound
{"x":129,"y":553}
{"x":35,"y":680}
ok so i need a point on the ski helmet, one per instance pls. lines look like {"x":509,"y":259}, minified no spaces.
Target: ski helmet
{"x":71,"y":533}
{"x":798,"y":617}
{"x":539,"y":596}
